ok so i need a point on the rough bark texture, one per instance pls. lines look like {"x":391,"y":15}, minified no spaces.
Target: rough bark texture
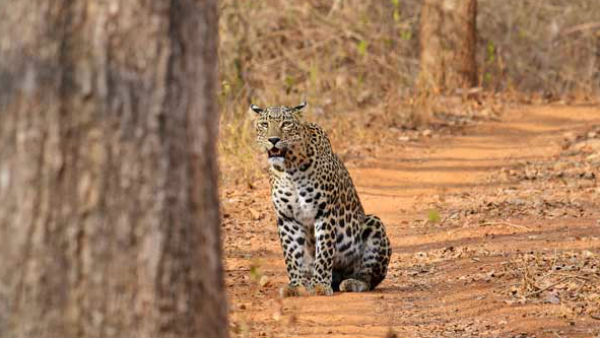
{"x":596,"y":85}
{"x":109,"y":221}
{"x":448,"y":45}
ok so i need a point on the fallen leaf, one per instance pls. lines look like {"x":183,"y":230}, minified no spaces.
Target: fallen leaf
{"x":264,"y":281}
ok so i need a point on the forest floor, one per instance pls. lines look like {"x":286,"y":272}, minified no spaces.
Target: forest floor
{"x":495,"y":230}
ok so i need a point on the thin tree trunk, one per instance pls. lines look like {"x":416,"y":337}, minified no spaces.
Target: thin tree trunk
{"x":447,"y":41}
{"x":596,"y":79}
{"x":109,"y":222}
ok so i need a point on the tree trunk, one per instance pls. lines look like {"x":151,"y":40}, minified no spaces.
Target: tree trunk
{"x":596,"y":79}
{"x":109,"y":222}
{"x":447,"y":41}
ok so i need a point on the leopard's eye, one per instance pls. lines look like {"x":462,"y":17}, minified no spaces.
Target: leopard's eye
{"x":286,"y":124}
{"x":263,"y":125}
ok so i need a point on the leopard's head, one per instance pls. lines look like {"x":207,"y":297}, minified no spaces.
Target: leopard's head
{"x":278,"y":129}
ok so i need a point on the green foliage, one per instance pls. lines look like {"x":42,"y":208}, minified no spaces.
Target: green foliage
{"x":487,"y":78}
{"x":491,"y":52}
{"x":314,"y":73}
{"x":256,"y":271}
{"x":289,"y":83}
{"x":433,"y":216}
{"x":396,"y":14}
{"x":362,"y":47}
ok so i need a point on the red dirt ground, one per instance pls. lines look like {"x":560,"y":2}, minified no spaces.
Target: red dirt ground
{"x":495,"y":233}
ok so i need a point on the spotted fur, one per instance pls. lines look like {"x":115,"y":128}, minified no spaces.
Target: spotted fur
{"x":328,"y":242}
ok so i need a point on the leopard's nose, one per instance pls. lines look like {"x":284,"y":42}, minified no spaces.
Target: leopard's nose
{"x":274,"y":140}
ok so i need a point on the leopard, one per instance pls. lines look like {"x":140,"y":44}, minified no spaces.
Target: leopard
{"x":329,"y":243}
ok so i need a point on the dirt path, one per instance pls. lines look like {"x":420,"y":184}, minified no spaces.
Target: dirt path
{"x":505,"y":209}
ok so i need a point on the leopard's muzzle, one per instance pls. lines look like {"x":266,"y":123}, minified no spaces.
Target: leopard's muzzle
{"x":275,"y":152}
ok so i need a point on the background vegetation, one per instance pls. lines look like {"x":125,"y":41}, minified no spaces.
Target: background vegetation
{"x":356,"y":62}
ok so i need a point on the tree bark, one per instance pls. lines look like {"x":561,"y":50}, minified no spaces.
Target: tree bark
{"x":109,"y":221}
{"x":447,"y":40}
{"x":596,"y":79}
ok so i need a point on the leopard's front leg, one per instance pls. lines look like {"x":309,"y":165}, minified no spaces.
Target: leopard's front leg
{"x":293,"y":241}
{"x":325,"y":251}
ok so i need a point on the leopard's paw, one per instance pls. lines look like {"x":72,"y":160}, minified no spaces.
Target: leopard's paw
{"x":353,"y":285}
{"x":289,"y":291}
{"x":322,"y":290}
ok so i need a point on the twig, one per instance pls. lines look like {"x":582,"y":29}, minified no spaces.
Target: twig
{"x":518,"y":226}
{"x":546,"y":275}
{"x":581,"y":286}
{"x":581,"y":27}
{"x":547,"y":287}
{"x":585,"y":278}
{"x":337,"y":4}
{"x":295,"y":54}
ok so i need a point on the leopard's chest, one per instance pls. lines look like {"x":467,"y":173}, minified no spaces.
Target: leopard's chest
{"x":298,"y":197}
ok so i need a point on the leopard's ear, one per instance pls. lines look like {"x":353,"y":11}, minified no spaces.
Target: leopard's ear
{"x":256,"y":109}
{"x":299,"y":108}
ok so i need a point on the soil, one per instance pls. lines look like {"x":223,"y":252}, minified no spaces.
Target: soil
{"x":495,"y":232}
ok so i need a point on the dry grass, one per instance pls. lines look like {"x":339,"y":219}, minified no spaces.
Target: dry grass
{"x":356,"y":61}
{"x":345,"y":60}
{"x":548,"y":46}
{"x":568,"y":278}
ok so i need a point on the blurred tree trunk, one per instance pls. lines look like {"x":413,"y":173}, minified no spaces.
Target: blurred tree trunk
{"x":447,"y":42}
{"x":109,"y":222}
{"x":596,"y":86}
